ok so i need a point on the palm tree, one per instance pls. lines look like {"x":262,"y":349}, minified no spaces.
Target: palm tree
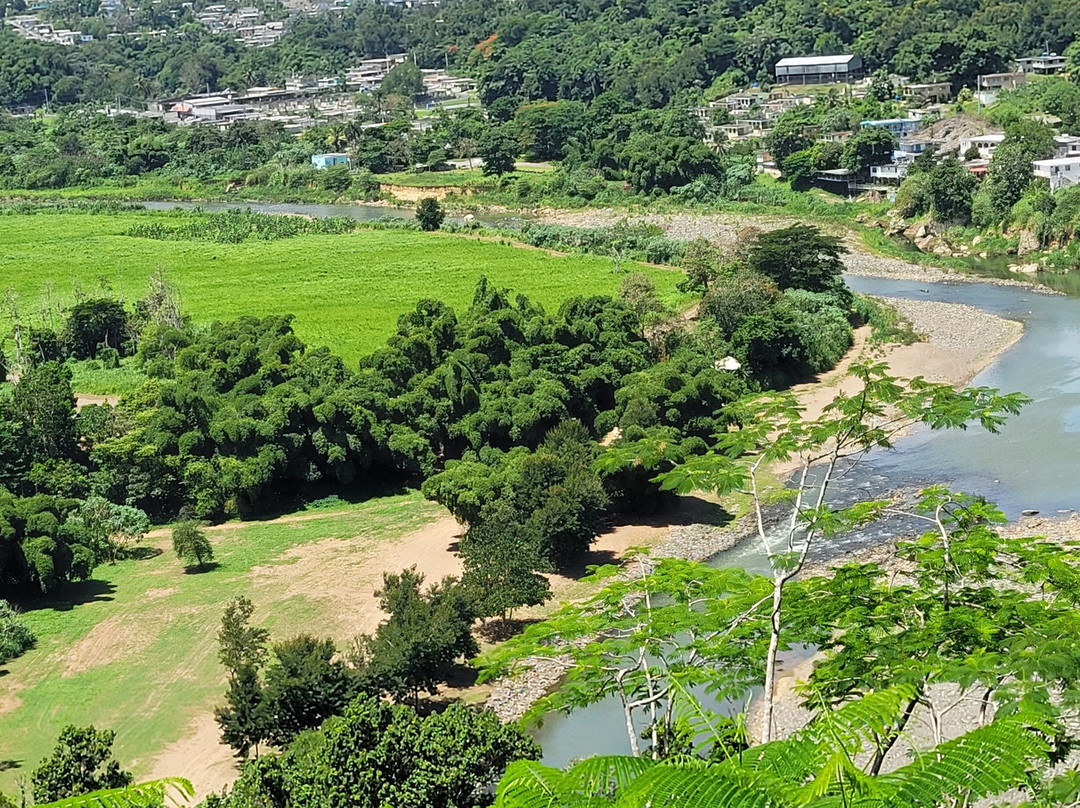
{"x":336,"y":137}
{"x":176,"y":789}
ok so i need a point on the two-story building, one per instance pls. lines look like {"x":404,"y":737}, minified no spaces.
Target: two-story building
{"x":844,"y":69}
{"x":937,"y":92}
{"x":1061,"y":172}
{"x":986,"y":144}
{"x":1047,"y":64}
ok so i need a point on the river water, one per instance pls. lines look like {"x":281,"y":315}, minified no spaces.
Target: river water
{"x":1032,"y":463}
{"x":362,"y":213}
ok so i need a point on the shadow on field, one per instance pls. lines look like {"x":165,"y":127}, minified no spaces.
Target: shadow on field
{"x":496,"y":629}
{"x":686,"y":510}
{"x":199,"y":569}
{"x":6,"y":765}
{"x":71,"y":595}
{"x":316,"y":499}
{"x":145,"y":553}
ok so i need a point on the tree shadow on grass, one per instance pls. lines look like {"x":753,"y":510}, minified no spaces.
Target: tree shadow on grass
{"x":199,"y":569}
{"x":71,"y":595}
{"x":499,"y":630}
{"x":144,"y":553}
{"x":7,"y":765}
{"x":316,"y":498}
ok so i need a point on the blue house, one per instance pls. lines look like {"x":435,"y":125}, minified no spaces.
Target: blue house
{"x":898,"y":126}
{"x":321,"y":161}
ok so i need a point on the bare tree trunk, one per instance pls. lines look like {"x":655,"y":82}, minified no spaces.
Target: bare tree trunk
{"x":769,"y":692}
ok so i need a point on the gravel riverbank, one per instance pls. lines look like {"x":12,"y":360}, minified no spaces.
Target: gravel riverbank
{"x":512,"y":696}
{"x":728,"y":228}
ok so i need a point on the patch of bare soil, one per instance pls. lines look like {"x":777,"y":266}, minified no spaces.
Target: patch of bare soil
{"x":111,"y":640}
{"x":9,"y":701}
{"x":344,"y":575}
{"x":86,"y":399}
{"x":200,"y":756}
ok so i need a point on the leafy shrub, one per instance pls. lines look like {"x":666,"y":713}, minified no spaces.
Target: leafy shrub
{"x":15,"y":637}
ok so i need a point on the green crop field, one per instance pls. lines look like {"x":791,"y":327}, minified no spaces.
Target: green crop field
{"x":134,"y":649}
{"x":346,"y":291}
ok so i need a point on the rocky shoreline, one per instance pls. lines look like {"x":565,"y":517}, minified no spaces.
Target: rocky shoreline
{"x":512,"y":696}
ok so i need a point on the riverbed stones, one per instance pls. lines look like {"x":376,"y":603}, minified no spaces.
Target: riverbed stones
{"x":512,"y":696}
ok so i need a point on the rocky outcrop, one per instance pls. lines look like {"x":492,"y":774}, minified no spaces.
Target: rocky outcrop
{"x":1029,"y":243}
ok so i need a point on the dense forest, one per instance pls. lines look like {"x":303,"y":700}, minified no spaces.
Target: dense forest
{"x":644,"y":52}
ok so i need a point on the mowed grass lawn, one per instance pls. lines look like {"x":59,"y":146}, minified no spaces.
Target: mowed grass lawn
{"x":346,"y":291}
{"x":134,"y":649}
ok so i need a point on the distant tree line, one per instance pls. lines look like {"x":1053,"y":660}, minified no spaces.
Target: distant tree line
{"x":645,"y":53}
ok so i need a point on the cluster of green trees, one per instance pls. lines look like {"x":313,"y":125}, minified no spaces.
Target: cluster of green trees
{"x":964,"y":615}
{"x":243,"y":411}
{"x":336,"y":739}
{"x":568,"y":49}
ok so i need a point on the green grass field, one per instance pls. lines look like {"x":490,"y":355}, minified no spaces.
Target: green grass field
{"x":134,"y":650}
{"x":346,"y":291}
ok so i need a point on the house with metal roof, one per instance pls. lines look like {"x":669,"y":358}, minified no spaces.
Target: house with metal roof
{"x":819,"y":69}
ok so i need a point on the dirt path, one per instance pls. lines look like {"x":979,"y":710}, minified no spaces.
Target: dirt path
{"x":86,"y":399}
{"x":341,"y":578}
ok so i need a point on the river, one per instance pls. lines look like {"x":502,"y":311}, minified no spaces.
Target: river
{"x":1031,"y":464}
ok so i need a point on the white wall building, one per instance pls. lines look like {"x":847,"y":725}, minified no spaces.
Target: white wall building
{"x":986,"y":144}
{"x":1061,"y":172}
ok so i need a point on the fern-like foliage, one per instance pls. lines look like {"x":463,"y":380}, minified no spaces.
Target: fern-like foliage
{"x":151,"y":794}
{"x":817,"y":768}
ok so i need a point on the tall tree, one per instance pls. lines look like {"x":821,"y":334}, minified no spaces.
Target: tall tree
{"x":502,"y":566}
{"x":190,"y":544}
{"x":45,"y":407}
{"x":305,"y":685}
{"x":242,"y":650}
{"x":425,"y":634}
{"x":799,"y":257}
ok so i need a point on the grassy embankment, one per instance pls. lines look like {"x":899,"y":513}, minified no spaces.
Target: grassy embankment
{"x":346,"y":291}
{"x":133,"y":649}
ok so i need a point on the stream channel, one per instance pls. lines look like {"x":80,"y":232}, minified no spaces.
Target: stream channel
{"x":1034,"y":463}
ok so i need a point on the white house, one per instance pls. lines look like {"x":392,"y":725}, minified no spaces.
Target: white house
{"x":986,"y":144}
{"x":1061,"y":172}
{"x":1045,"y":64}
{"x":1067,"y":146}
